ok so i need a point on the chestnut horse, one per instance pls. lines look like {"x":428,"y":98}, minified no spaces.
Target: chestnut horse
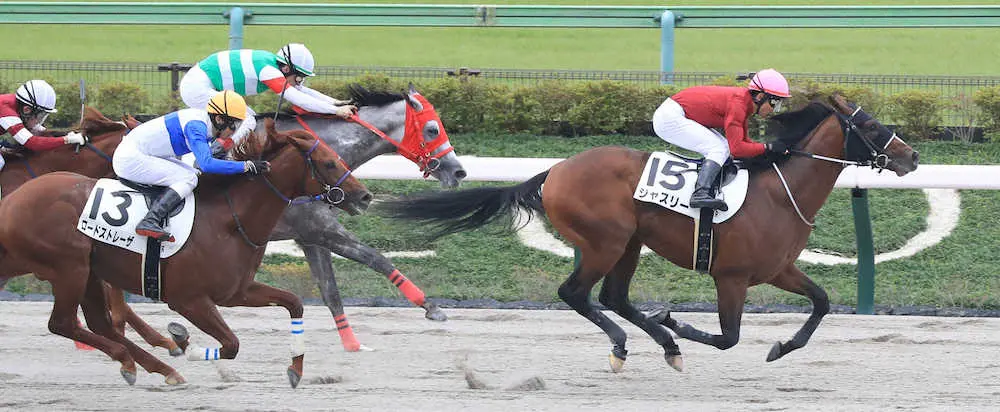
{"x":233,"y":220}
{"x":588,"y":199}
{"x":93,"y":160}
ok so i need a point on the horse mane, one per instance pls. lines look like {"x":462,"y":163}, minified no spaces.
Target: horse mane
{"x":257,"y":146}
{"x":364,"y":97}
{"x":792,"y":127}
{"x":94,"y":123}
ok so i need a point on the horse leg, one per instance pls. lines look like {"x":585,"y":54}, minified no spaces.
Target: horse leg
{"x":348,"y":246}
{"x":793,"y":280}
{"x":98,"y":320}
{"x":732,"y":293}
{"x":575,"y":291}
{"x":121,"y":314}
{"x":68,"y":290}
{"x":322,"y":271}
{"x":259,"y":294}
{"x":201,"y":311}
{"x":614,"y":295}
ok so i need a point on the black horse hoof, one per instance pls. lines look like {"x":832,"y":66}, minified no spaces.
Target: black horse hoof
{"x":775,"y":352}
{"x":178,"y":333}
{"x":434,"y":312}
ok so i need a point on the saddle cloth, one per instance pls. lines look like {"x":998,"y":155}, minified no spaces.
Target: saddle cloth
{"x":113,"y":210}
{"x":668,"y":180}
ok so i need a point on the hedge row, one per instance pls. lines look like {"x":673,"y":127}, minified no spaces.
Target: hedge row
{"x":469,"y":104}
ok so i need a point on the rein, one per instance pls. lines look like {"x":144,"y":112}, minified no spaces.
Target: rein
{"x":327,"y":195}
{"x":879,"y":160}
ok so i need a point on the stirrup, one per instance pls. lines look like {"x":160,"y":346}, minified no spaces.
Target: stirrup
{"x":161,"y":235}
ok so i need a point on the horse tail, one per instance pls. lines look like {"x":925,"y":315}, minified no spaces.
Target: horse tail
{"x":460,"y":210}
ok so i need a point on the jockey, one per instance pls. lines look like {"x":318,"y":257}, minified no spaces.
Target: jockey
{"x":22,"y":115}
{"x":151,"y":152}
{"x":684,"y":119}
{"x":248,"y":72}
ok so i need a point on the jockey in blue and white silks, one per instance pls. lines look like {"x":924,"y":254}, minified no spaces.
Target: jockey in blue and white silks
{"x":150,"y":154}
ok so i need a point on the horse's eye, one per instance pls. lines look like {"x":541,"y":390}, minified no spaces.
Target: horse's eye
{"x":331,"y":165}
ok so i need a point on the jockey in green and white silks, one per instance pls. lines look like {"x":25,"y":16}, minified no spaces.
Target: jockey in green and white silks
{"x":249,"y":72}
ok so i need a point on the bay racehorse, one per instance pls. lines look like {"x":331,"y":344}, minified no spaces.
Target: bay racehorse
{"x":234,"y":216}
{"x":588,"y":199}
{"x":386,"y":123}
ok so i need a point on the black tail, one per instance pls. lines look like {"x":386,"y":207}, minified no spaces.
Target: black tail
{"x":456,"y":211}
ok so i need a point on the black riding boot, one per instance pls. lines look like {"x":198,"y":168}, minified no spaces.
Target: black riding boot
{"x":704,"y":188}
{"x":158,"y":212}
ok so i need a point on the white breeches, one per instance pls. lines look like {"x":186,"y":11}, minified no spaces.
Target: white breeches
{"x":671,"y":125}
{"x":131,"y":163}
{"x":196,"y":90}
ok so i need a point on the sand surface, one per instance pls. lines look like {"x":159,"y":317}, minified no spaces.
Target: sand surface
{"x":520,"y":360}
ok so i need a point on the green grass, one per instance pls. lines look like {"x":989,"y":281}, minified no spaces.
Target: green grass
{"x":875,"y":51}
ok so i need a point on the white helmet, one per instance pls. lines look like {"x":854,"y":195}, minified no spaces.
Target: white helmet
{"x":299,"y":56}
{"x":38,"y":95}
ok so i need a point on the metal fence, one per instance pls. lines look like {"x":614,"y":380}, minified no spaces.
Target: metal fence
{"x":159,"y":79}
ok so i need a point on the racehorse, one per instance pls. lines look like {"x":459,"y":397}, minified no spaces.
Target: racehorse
{"x":386,"y":123}
{"x":93,"y":160}
{"x":233,"y":219}
{"x":588,"y":198}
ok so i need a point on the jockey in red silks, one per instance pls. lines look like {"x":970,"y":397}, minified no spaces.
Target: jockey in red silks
{"x":249,"y":72}
{"x":684,"y":119}
{"x":22,"y":115}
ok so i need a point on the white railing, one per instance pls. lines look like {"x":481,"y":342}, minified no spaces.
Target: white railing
{"x":511,"y":169}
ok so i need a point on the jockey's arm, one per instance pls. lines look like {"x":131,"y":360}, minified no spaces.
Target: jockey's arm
{"x":740,"y":146}
{"x":27,"y":139}
{"x":196,"y":133}
{"x":321,"y":96}
{"x":300,"y":98}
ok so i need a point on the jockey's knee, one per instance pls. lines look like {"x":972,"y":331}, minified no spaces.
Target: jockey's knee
{"x":185,"y":186}
{"x":717,"y":156}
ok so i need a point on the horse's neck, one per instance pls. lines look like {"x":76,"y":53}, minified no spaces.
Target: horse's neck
{"x":810,"y":180}
{"x":256,"y":204}
{"x":355,"y":143}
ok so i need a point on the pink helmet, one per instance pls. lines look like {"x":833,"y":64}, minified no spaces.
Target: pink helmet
{"x":771,"y":82}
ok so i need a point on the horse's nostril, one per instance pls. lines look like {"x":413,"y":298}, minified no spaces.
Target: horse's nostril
{"x":460,"y":174}
{"x":367,"y":197}
{"x":916,"y":157}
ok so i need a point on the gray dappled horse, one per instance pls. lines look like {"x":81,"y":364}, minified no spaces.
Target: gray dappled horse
{"x":410,"y":121}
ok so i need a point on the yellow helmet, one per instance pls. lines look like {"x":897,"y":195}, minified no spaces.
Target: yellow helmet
{"x":228,"y":103}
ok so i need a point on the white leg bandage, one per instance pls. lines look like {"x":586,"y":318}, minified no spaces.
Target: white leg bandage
{"x":298,"y":338}
{"x":202,"y":354}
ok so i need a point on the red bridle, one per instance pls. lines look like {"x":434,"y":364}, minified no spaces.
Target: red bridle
{"x":413,"y":146}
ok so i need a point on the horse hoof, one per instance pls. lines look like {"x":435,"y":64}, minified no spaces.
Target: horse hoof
{"x":129,"y":376}
{"x":175,"y":379}
{"x":294,"y":377}
{"x":676,"y":362}
{"x":775,"y":352}
{"x":617,"y":364}
{"x":178,"y":333}
{"x":176,"y":351}
{"x":434,"y":313}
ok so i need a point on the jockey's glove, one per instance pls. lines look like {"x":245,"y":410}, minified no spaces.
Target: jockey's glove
{"x":346,"y":111}
{"x":74,"y":138}
{"x":256,"y":167}
{"x":776,"y":147}
{"x":338,"y":102}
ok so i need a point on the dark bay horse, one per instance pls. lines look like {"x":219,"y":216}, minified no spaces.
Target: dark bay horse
{"x":233,"y":220}
{"x":588,"y":199}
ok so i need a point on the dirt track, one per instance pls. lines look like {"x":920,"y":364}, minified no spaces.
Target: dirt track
{"x":529,"y":360}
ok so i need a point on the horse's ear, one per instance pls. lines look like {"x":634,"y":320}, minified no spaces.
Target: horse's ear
{"x":412,"y":89}
{"x":272,"y":132}
{"x":840,"y":103}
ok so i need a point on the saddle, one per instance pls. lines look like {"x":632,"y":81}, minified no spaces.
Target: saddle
{"x":729,"y":169}
{"x":151,"y":193}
